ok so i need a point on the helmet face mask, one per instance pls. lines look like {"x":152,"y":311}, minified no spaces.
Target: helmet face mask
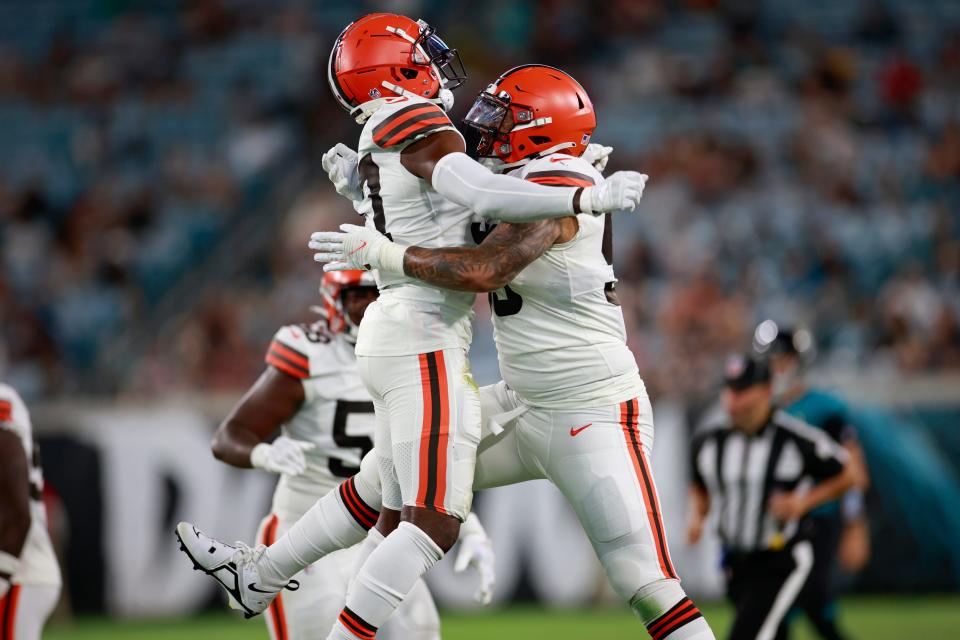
{"x":445,"y":60}
{"x":490,"y":115}
{"x":557,"y":115}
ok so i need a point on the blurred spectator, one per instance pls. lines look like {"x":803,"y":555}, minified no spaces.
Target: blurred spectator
{"x":804,"y":163}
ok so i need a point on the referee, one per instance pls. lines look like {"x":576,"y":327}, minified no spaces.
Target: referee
{"x":762,"y":472}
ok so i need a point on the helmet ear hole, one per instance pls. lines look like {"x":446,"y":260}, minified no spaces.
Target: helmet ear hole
{"x":408,"y":73}
{"x":539,"y":139}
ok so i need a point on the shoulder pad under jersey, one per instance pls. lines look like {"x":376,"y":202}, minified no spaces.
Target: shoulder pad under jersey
{"x":402,"y":121}
{"x":301,"y":350}
{"x":561,"y":170}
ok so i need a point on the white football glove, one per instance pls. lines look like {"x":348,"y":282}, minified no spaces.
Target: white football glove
{"x":340,"y":163}
{"x":9,"y":567}
{"x":284,"y":456}
{"x":356,"y":247}
{"x":620,"y":192}
{"x":476,"y":551}
{"x":597,"y":155}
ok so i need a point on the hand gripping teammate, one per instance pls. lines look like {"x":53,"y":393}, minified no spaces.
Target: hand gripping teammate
{"x":420,"y":187}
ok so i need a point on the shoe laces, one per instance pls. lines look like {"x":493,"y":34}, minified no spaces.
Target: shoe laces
{"x":246,"y":554}
{"x":251,"y":555}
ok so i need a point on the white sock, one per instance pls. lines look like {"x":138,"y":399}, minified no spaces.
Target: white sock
{"x":371,"y":542}
{"x":383,"y":582}
{"x":338,"y":520}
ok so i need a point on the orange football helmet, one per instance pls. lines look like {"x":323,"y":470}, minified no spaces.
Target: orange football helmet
{"x":332,"y":289}
{"x":532,"y":110}
{"x":385,"y":54}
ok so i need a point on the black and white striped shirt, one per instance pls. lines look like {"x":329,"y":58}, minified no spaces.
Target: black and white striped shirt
{"x":740,"y":472}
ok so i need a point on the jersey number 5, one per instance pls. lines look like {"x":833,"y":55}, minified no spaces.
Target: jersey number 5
{"x":507,"y":306}
{"x":363,"y":443}
{"x":512,"y":302}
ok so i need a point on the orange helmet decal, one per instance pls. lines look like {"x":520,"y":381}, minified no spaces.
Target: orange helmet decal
{"x":332,"y":288}
{"x":385,"y":54}
{"x":532,"y":110}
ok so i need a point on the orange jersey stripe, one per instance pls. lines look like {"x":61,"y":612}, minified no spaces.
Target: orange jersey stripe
{"x":387,"y":131}
{"x":290,"y":354}
{"x":562,"y":182}
{"x":397,"y":118}
{"x":415,"y":128}
{"x":275,"y":361}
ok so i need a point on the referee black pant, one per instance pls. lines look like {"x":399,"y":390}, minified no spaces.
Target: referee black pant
{"x":763,"y":586}
{"x":818,"y":598}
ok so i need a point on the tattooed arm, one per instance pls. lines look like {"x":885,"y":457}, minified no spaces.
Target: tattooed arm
{"x":494,"y":263}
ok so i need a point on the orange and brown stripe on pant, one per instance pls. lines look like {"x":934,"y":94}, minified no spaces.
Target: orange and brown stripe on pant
{"x":8,"y":612}
{"x":275,"y":613}
{"x":629,"y":418}
{"x":435,"y":433}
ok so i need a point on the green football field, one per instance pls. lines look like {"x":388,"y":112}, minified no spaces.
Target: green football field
{"x":883,"y":618}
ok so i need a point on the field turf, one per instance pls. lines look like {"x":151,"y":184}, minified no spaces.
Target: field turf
{"x":877,"y":618}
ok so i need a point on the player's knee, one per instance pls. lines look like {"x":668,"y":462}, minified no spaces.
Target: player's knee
{"x":630,"y":563}
{"x":442,"y":528}
{"x":653,"y":600}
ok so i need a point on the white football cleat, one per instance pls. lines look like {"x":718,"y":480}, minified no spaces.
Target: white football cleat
{"x":234,"y":566}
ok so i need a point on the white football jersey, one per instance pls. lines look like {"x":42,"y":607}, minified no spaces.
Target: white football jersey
{"x":38,"y":561}
{"x":560,"y":338}
{"x":336,"y":415}
{"x":410,"y":316}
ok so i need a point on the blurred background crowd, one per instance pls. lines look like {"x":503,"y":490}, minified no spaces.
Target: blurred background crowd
{"x":159,"y":177}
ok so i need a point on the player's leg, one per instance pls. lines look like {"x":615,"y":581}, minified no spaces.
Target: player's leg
{"x":499,"y":458}
{"x":338,"y":520}
{"x":415,"y":619}
{"x":298,"y":615}
{"x":598,"y":458}
{"x":25,"y":609}
{"x":434,"y":412}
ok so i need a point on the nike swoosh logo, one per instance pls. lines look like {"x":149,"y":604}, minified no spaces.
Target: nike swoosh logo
{"x":574,"y":432}
{"x":358,"y":248}
{"x":558,"y":159}
{"x":252,"y":586}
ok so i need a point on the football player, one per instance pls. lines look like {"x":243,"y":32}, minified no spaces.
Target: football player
{"x":311,"y":394}
{"x":29,"y":573}
{"x":393,"y":75}
{"x":585,"y":421}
